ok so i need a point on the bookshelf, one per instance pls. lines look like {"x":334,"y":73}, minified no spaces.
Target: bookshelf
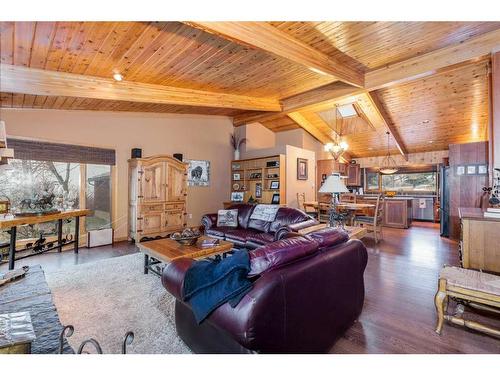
{"x":260,"y":178}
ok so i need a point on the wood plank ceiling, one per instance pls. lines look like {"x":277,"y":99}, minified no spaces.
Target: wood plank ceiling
{"x":444,"y":107}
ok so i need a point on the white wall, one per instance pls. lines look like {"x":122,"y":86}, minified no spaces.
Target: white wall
{"x":197,"y":137}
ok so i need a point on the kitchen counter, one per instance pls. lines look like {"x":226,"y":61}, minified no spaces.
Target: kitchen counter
{"x":474,"y":214}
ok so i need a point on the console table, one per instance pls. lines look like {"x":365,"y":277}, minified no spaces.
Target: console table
{"x":11,"y":225}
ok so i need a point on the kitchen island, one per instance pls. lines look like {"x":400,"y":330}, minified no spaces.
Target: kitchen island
{"x":397,"y":210}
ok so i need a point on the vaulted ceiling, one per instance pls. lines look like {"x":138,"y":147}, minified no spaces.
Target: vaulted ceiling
{"x":425,"y":82}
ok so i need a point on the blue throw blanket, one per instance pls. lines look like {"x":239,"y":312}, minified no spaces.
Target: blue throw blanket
{"x":208,"y":284}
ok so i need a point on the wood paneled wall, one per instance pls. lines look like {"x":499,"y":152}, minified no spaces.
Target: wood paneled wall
{"x":465,"y":190}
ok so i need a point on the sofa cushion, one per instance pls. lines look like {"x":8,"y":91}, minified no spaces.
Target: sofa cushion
{"x":238,"y":234}
{"x":328,"y":237}
{"x":287,"y":216}
{"x":260,"y":225}
{"x":280,"y":253}
{"x":244,"y":212}
{"x":260,"y":237}
{"x":215,"y":232}
{"x":227,"y":218}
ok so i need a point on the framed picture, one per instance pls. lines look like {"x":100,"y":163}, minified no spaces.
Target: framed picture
{"x":275,"y":185}
{"x":237,"y":196}
{"x":301,"y":169}
{"x":258,"y":190}
{"x":236,"y":176}
{"x":275,"y":199}
{"x":482,"y":169}
{"x":471,"y":169}
{"x":198,"y":172}
{"x":460,"y":171}
{"x":236,"y":166}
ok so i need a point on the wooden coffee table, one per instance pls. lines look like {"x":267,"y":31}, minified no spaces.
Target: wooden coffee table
{"x":354,"y":232}
{"x":167,"y":250}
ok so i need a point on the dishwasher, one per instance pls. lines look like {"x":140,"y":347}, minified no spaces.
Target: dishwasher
{"x":423,"y":209}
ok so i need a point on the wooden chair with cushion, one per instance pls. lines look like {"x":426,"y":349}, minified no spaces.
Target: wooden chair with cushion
{"x":301,"y":199}
{"x":475,"y":289}
{"x":373,"y":223}
{"x":348,"y":197}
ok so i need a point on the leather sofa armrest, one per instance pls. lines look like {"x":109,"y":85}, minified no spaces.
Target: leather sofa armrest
{"x":280,"y":233}
{"x":209,"y":221}
{"x":173,"y":276}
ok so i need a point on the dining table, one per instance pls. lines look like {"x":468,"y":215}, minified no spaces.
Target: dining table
{"x":351,"y":207}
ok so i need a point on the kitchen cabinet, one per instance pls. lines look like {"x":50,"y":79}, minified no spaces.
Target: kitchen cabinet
{"x":353,"y":175}
{"x":397,"y":212}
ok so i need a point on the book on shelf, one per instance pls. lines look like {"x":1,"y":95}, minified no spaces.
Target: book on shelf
{"x":492,"y":209}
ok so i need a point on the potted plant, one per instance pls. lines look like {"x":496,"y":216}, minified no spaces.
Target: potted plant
{"x":237,"y":142}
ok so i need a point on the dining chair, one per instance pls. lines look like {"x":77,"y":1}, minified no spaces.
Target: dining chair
{"x":301,"y":199}
{"x":373,"y":224}
{"x":348,"y":197}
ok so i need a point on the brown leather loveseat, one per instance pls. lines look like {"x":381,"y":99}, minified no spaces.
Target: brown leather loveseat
{"x":252,"y":233}
{"x":307,"y":292}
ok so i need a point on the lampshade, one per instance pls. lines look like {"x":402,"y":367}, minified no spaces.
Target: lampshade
{"x":333,"y":184}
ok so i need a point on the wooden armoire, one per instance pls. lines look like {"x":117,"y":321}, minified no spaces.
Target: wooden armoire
{"x":157,"y":197}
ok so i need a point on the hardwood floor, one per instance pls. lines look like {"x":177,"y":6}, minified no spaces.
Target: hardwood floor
{"x":400,"y":283}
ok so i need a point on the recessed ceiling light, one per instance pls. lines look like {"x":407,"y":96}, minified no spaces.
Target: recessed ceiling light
{"x":117,"y":77}
{"x":370,"y":148}
{"x":426,"y":121}
{"x":431,"y":141}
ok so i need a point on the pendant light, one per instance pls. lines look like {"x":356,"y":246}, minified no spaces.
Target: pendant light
{"x":338,"y":147}
{"x":388,"y":165}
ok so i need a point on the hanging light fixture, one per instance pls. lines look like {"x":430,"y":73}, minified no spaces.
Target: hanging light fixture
{"x":388,"y":165}
{"x":338,"y":147}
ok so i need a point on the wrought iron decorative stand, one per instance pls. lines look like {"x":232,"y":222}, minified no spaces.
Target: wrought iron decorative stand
{"x":68,"y":331}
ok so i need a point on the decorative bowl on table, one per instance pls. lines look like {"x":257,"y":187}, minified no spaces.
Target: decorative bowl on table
{"x":187,"y":237}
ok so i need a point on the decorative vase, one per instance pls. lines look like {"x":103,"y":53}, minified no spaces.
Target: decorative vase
{"x":236,"y":154}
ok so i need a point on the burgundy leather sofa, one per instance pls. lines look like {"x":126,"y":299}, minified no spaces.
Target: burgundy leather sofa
{"x":252,"y":233}
{"x":307,"y":292}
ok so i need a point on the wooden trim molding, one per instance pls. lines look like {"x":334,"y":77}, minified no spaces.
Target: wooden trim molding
{"x":268,"y":38}
{"x":22,"y":80}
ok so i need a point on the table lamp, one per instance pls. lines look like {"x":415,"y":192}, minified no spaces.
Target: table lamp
{"x":334,"y":185}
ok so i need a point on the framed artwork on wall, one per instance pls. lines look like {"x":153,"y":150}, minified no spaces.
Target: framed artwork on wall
{"x":460,"y":171}
{"x":482,"y":169}
{"x":301,"y":169}
{"x":471,"y":169}
{"x":198,"y":172}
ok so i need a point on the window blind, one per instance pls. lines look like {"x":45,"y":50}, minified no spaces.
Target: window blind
{"x":59,"y":152}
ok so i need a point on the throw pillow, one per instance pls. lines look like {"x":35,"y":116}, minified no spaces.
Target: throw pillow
{"x":227,"y":218}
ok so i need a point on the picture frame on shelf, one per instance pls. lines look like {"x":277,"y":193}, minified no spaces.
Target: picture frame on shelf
{"x":236,"y":167}
{"x":237,"y":196}
{"x":275,"y":185}
{"x":255,"y":175}
{"x":273,"y":175}
{"x":302,"y":169}
{"x":236,"y":186}
{"x":236,"y":176}
{"x":258,"y":190}
{"x":275,"y":199}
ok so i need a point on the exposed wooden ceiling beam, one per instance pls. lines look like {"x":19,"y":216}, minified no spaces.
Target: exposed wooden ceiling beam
{"x":22,"y":80}
{"x":266,"y":37}
{"x":304,"y":101}
{"x":432,"y":62}
{"x":309,"y":127}
{"x":380,"y":109}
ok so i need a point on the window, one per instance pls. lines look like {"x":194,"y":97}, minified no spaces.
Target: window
{"x":23,"y":181}
{"x":422,"y":182}
{"x":372,"y":181}
{"x":98,"y":196}
{"x":66,"y":173}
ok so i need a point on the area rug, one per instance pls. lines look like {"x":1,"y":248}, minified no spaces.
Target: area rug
{"x":105,"y":299}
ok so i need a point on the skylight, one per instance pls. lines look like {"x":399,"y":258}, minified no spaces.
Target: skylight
{"x":347,"y":110}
